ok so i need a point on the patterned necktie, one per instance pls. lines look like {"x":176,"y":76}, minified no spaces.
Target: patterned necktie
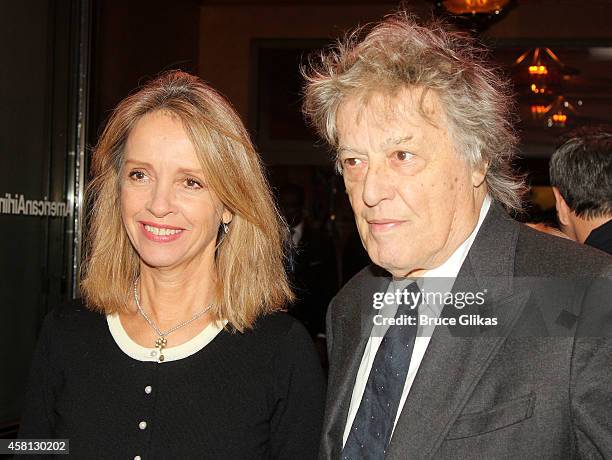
{"x":373,"y":424}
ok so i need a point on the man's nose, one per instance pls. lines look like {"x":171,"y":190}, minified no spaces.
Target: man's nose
{"x":161,"y":201}
{"x":377,"y":185}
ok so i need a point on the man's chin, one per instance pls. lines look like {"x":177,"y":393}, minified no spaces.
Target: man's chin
{"x":391,"y":265}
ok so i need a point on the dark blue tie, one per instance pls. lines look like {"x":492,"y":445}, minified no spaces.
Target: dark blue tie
{"x":373,"y":424}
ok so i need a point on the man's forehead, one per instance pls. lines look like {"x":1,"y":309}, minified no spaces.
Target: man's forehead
{"x":386,"y":143}
{"x":410,"y":105}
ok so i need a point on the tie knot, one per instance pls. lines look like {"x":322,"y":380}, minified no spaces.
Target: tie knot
{"x":409,"y":300}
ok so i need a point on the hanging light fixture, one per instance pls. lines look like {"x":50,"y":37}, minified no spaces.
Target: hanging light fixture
{"x":474,"y":6}
{"x":539,"y":74}
{"x":540,"y":71}
{"x":538,"y":111}
{"x":474,"y":15}
{"x":560,"y":112}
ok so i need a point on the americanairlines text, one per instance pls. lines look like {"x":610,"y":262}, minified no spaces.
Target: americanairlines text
{"x":17,"y":204}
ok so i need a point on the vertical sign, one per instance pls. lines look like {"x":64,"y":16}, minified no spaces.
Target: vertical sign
{"x":43,"y":89}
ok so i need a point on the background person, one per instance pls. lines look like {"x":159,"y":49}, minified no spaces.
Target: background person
{"x":178,"y":351}
{"x":581,"y":176}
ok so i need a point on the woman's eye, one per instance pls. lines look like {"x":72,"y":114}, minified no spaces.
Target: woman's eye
{"x":403,"y":156}
{"x":137,"y":175}
{"x":192,"y":183}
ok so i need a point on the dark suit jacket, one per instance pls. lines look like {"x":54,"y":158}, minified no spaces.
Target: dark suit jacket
{"x":601,"y":237}
{"x":539,"y":385}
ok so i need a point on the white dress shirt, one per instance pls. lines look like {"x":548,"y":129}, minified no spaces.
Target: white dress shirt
{"x":447,"y":270}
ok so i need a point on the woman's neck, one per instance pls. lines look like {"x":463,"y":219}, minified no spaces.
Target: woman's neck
{"x":169,"y":297}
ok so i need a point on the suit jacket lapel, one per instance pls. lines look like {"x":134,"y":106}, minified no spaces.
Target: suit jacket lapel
{"x":352,"y":332}
{"x":452,"y":365}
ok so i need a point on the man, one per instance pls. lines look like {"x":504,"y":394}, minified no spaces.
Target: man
{"x":581,"y":176}
{"x":424,"y":146}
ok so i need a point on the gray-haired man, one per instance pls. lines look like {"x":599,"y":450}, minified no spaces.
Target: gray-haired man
{"x":420,"y":126}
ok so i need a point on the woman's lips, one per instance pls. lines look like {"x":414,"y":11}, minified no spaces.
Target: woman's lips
{"x":160,"y":234}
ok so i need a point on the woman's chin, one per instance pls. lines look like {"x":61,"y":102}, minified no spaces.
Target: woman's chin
{"x":160,"y":261}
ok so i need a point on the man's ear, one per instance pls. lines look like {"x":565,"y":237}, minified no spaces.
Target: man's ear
{"x":563,"y":210}
{"x":479,"y":174}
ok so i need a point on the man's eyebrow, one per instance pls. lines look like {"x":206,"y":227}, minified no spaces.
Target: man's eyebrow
{"x":388,"y":143}
{"x":397,"y":140}
{"x":346,"y":149}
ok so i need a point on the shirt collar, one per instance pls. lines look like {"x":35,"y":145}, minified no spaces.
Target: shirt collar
{"x":601,"y":237}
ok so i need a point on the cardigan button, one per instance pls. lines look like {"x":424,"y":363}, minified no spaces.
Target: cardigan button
{"x":137,"y":457}
{"x":142,"y":425}
{"x":148,"y":389}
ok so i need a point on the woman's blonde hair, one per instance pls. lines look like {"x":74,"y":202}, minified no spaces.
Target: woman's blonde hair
{"x":250,"y":278}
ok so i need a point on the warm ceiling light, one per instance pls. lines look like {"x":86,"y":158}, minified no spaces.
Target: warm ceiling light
{"x":560,"y":112}
{"x":535,"y":89}
{"x":538,"y":70}
{"x":557,"y":120}
{"x":537,"y":59}
{"x":474,"y":6}
{"x":559,"y":117}
{"x":539,"y":109}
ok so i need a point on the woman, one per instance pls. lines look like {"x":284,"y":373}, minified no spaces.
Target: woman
{"x":178,"y":352}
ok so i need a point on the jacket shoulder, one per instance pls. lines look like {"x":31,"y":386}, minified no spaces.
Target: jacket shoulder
{"x":540,"y":254}
{"x":351,"y":296}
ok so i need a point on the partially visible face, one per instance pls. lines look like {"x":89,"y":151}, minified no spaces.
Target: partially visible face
{"x":170,"y":215}
{"x":415,"y":200}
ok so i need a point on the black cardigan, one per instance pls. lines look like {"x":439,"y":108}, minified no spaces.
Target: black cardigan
{"x":255,"y":395}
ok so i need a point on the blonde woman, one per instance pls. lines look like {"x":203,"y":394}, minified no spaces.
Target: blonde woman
{"x":179,"y":350}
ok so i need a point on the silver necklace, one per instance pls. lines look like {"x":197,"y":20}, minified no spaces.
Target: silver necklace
{"x":161,"y":341}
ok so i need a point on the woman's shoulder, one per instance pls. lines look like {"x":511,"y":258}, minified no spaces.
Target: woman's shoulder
{"x":71,"y":318}
{"x":279,"y":326}
{"x":290,"y":349}
{"x":273,"y":333}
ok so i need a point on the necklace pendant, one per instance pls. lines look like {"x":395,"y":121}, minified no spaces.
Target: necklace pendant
{"x":160,"y":344}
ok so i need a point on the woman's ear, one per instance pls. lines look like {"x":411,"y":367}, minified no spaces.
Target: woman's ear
{"x":227,"y":216}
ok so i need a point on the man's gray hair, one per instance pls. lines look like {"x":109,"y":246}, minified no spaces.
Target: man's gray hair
{"x":398,"y":53}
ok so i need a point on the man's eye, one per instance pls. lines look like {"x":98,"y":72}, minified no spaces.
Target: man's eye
{"x":351,"y":162}
{"x":192,"y":183}
{"x":403,"y":156}
{"x":137,"y":175}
